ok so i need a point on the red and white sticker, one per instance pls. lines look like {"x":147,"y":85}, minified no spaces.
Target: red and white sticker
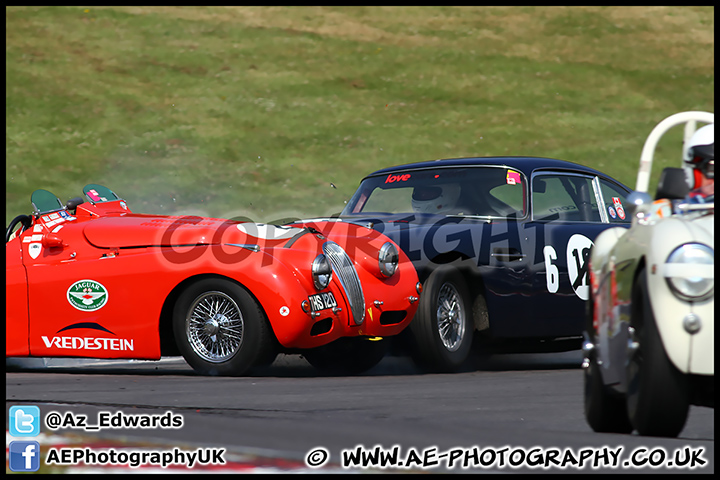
{"x":513,"y":178}
{"x":95,"y":196}
{"x":619,"y":208}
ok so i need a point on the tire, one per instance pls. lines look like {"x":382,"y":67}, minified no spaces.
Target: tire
{"x":267,"y":359}
{"x":347,"y":356}
{"x":220,"y":329}
{"x":442,"y":330}
{"x":604,"y":412}
{"x":658,"y":393}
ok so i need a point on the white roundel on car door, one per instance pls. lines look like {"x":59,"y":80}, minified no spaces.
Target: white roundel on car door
{"x":578,"y":255}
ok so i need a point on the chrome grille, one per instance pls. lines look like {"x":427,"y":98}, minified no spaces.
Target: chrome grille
{"x":345,"y":271}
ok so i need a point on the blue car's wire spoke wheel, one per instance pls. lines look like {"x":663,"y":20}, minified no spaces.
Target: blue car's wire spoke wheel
{"x":220,"y":329}
{"x":450,"y":317}
{"x":442,"y":328}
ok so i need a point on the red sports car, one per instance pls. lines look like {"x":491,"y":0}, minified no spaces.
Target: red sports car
{"x":92,"y":279}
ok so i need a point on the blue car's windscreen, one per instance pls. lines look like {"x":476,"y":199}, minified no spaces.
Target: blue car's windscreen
{"x":469,"y":191}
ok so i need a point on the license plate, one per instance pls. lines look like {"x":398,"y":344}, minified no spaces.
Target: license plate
{"x":322,"y":301}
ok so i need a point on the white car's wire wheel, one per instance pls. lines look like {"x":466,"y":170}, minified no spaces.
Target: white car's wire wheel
{"x":658,"y":393}
{"x":220,"y":328}
{"x":442,"y":329}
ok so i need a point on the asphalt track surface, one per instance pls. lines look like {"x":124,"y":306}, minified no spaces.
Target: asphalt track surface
{"x":499,"y":407}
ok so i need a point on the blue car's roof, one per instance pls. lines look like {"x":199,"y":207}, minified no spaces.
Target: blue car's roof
{"x":527,"y":165}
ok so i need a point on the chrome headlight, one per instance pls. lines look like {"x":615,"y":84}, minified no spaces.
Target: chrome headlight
{"x":689,"y":271}
{"x":388,"y":259}
{"x":321,"y":272}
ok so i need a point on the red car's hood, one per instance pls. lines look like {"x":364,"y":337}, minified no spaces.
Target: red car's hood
{"x":135,"y":230}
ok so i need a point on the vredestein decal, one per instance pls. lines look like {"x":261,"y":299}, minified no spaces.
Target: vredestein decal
{"x":88,"y":343}
{"x":87,"y":295}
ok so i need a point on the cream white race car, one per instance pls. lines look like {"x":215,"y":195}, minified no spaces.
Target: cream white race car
{"x":649,"y":338}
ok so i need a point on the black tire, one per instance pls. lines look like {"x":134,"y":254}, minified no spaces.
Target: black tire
{"x":267,"y":359}
{"x":604,"y":411}
{"x":658,"y":393}
{"x":347,"y":356}
{"x":442,"y":331}
{"x":229,"y":334}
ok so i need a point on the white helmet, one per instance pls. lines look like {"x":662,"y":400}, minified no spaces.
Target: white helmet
{"x":435,"y":198}
{"x":699,"y":157}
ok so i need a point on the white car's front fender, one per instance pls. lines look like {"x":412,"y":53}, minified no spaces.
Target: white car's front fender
{"x":690,"y":352}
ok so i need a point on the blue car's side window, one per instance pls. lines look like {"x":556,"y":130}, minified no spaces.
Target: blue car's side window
{"x":564,"y":197}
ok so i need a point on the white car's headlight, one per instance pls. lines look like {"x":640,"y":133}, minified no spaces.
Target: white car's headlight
{"x":388,"y":259}
{"x":321,"y":272}
{"x":689,"y":271}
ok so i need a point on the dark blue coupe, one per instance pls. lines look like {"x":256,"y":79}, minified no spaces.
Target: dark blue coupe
{"x":500,"y":244}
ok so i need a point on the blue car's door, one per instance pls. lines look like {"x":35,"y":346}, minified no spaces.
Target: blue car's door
{"x":543,"y":290}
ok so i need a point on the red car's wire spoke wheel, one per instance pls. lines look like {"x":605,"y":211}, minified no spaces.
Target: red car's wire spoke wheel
{"x":214,"y":327}
{"x":220,"y":328}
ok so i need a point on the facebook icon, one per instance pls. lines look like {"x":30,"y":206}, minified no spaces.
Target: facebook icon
{"x":24,"y":456}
